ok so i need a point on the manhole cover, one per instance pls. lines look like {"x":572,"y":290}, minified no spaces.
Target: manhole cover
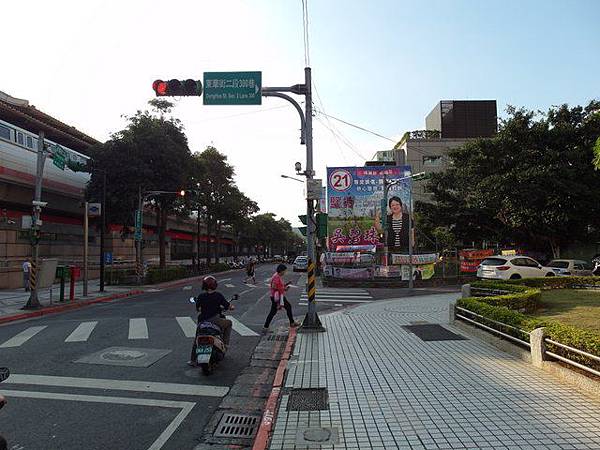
{"x":317,"y":435}
{"x":123,"y":355}
{"x":310,"y":437}
{"x":237,"y":426}
{"x":314,"y":399}
{"x":433,"y":332}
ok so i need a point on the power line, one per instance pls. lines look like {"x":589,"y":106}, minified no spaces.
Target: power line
{"x":239,"y":114}
{"x":358,"y":127}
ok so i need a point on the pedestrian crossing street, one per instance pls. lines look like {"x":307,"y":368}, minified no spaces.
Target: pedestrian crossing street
{"x":339,"y":296}
{"x":138,"y":329}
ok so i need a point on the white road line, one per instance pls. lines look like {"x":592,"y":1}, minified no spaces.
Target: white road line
{"x":240,"y":328}
{"x":186,"y":407}
{"x":331,"y":300}
{"x":187,"y":288}
{"x":22,"y":337}
{"x":138,"y":329}
{"x":229,"y":285}
{"x":188,"y":326}
{"x":120,"y":385}
{"x":82,"y":332}
{"x":303,"y":303}
{"x":320,"y":294}
{"x":224,"y":279}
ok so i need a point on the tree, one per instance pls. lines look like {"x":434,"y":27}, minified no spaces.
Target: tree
{"x":151,"y":153}
{"x":531,"y":184}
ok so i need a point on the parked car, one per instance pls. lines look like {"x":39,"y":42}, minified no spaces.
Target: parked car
{"x":567,"y":267}
{"x":300,"y":264}
{"x":512,"y":268}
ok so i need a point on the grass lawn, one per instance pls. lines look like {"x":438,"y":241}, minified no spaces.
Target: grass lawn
{"x":576,"y":307}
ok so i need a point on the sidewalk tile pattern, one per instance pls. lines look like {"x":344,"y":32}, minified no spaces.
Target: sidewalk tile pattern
{"x":390,"y":390}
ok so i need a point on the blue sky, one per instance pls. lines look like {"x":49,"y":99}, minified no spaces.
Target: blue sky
{"x":380,"y":64}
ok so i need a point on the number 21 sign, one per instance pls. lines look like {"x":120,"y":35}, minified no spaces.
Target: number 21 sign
{"x":340,"y":180}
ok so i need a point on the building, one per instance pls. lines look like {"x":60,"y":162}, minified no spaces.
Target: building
{"x":450,"y":124}
{"x":63,"y":190}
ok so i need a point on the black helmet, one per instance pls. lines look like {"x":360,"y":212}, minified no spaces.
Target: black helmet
{"x":209,"y":283}
{"x":281,"y":268}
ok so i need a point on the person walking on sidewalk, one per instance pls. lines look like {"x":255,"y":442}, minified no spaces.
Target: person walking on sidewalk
{"x":26,"y":273}
{"x":278,"y":300}
{"x":250,"y":271}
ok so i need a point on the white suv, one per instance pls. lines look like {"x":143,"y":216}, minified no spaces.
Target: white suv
{"x":512,"y":268}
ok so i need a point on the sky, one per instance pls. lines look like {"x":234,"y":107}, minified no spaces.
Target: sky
{"x":380,"y":64}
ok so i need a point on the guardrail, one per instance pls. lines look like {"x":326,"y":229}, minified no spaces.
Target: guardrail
{"x":569,"y":361}
{"x":493,"y":330}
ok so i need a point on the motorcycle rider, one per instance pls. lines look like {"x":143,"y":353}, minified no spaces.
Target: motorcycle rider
{"x":210,"y":304}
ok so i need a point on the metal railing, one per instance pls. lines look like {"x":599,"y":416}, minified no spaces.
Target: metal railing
{"x":569,"y":361}
{"x":493,"y":330}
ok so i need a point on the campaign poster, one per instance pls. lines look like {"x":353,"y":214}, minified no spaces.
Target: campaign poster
{"x":355,"y":197}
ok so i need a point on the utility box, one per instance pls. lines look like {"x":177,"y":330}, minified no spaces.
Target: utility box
{"x":47,"y":273}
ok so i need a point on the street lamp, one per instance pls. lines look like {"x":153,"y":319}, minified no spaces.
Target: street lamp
{"x":292,"y":178}
{"x":386,"y":187}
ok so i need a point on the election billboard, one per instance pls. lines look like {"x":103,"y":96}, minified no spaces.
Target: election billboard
{"x":355,"y":207}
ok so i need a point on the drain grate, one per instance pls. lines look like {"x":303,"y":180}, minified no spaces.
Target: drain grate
{"x":277,"y":337}
{"x":433,"y":332}
{"x":313,"y":399}
{"x":237,"y":426}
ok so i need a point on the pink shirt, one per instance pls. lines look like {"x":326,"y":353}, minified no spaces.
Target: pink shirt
{"x":277,"y":285}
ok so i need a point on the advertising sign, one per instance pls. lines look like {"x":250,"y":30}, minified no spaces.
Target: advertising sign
{"x":355,"y":197}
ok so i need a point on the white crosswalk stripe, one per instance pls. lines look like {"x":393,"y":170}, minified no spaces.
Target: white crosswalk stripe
{"x":338,"y":296}
{"x":188,"y":326}
{"x":82,"y":332}
{"x":22,"y":337}
{"x":240,"y":328}
{"x":229,"y":285}
{"x":138,"y":329}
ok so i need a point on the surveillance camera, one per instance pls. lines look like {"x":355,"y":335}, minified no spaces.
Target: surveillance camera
{"x":298,"y":167}
{"x":38,"y":203}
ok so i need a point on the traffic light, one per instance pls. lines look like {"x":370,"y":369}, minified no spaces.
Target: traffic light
{"x":176,"y":88}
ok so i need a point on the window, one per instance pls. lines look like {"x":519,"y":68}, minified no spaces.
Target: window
{"x":559,"y":264}
{"x":432,"y":161}
{"x":493,"y":262}
{"x":4,"y":132}
{"x":578,"y":266}
{"x":29,"y":142}
{"x":530,"y":262}
{"x":20,"y":140}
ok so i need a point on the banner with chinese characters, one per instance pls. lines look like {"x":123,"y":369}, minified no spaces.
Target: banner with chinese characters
{"x":355,"y":197}
{"x":423,"y":258}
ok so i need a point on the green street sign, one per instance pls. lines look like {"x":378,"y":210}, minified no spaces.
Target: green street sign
{"x":59,"y":157}
{"x":232,"y":88}
{"x":302,"y":230}
{"x":138,"y":225}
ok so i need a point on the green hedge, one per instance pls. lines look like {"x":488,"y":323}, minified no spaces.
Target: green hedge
{"x":525,"y":295}
{"x":158,"y":275}
{"x":219,"y":267}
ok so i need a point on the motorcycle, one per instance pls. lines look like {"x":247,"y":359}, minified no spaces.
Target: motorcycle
{"x":210,"y":348}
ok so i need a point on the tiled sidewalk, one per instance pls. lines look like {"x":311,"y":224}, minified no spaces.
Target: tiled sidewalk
{"x":389,"y":389}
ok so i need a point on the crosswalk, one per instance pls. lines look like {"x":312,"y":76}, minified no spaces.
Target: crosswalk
{"x":137,"y":329}
{"x":339,"y":296}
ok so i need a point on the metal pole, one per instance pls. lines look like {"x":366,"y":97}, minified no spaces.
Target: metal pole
{"x":410,"y":235}
{"x":312,"y":320}
{"x":386,"y":188}
{"x":102,"y":227}
{"x":33,"y":301}
{"x":140,"y":261}
{"x":85,"y":250}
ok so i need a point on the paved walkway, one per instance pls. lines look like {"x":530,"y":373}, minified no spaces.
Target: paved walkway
{"x":389,"y":389}
{"x":12,"y":300}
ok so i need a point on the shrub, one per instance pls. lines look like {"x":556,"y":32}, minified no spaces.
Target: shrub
{"x":219,"y":267}
{"x":520,"y":298}
{"x":557,"y":282}
{"x":158,"y":275}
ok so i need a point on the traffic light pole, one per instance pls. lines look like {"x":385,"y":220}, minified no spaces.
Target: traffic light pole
{"x":311,"y":321}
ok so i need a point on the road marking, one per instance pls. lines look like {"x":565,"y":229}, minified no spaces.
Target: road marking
{"x":240,"y":328}
{"x":325,"y":294}
{"x":186,"y":408}
{"x":303,"y":304}
{"x":229,"y":285}
{"x":120,"y":385}
{"x":138,"y":329}
{"x":22,"y":337}
{"x":338,"y":304}
{"x":188,"y":326}
{"x":187,"y":288}
{"x":331,"y":300}
{"x":82,"y":332}
{"x":224,"y":279}
{"x":153,"y":290}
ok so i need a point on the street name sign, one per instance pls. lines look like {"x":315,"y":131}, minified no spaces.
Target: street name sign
{"x":232,"y":88}
{"x":138,"y":225}
{"x":59,"y":157}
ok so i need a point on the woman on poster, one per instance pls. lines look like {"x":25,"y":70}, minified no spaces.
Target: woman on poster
{"x":397,"y":224}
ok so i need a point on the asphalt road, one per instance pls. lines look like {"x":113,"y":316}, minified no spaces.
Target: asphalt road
{"x":56,"y":401}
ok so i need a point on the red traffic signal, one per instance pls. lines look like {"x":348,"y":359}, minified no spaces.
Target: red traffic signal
{"x":176,"y":88}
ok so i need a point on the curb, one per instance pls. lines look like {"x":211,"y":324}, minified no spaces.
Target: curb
{"x":266,"y":425}
{"x":60,"y":308}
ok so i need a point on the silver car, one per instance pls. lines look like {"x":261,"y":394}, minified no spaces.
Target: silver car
{"x":301,"y":264}
{"x":566,"y":267}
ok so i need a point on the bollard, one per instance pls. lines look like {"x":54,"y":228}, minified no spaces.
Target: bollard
{"x":62,"y":287}
{"x":451,"y":312}
{"x":72,"y":284}
{"x":466,"y":290}
{"x":538,"y":348}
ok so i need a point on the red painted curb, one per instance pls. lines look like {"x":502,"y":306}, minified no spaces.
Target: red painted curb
{"x":266,"y":425}
{"x":60,"y":308}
